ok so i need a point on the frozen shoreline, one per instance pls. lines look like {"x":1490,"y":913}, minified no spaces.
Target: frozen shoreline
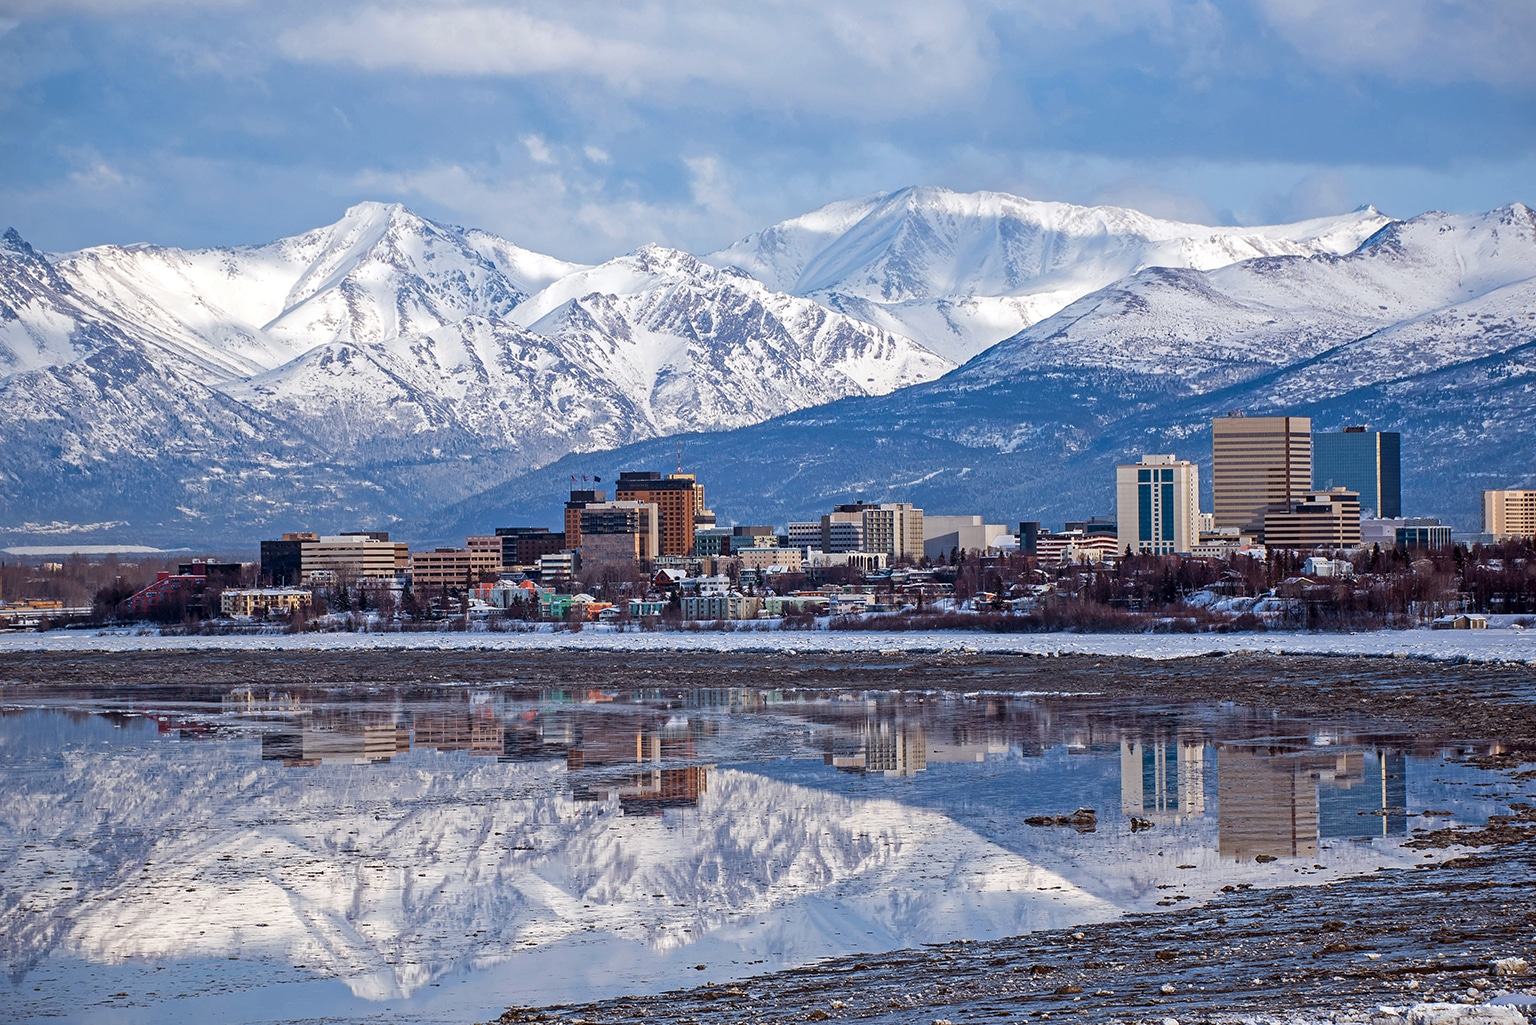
{"x":1493,"y":645}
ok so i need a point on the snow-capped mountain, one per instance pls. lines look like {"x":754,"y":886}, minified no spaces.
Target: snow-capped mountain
{"x":390,"y":370}
{"x":1428,"y":328}
{"x":389,"y":341}
{"x":960,"y":272}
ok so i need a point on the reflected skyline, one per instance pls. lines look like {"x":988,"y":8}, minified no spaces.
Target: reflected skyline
{"x":391,"y":843}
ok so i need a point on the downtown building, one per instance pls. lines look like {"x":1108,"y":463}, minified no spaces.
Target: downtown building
{"x":1509,"y":513}
{"x":1259,"y":465}
{"x":1158,"y":506}
{"x":679,"y":501}
{"x":1322,"y":519}
{"x":1369,"y":463}
{"x":623,"y":533}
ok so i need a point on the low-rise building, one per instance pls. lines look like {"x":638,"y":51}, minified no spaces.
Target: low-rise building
{"x":352,"y":556}
{"x":264,"y":601}
{"x":1422,"y":532}
{"x":559,"y":567}
{"x":729,"y":605}
{"x":524,"y":546}
{"x":454,"y":569}
{"x":943,"y":535}
{"x":1323,"y":519}
{"x":789,"y":560}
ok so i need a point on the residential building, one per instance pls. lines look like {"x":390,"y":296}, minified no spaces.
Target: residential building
{"x":1322,"y":519}
{"x":945,"y":534}
{"x":731,"y":605}
{"x":679,"y":500}
{"x":1259,"y":465}
{"x":170,"y":592}
{"x":1158,"y":506}
{"x":1367,"y":462}
{"x":264,"y":601}
{"x":523,"y":546}
{"x":579,"y":500}
{"x":625,"y":532}
{"x":1509,"y":513}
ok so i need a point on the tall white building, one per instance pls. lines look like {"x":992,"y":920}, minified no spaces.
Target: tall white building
{"x":1158,"y":502}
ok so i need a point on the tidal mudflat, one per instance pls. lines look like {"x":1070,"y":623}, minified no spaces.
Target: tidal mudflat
{"x":444,"y":835}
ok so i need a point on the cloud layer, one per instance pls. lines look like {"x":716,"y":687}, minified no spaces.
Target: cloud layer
{"x":588,"y":128}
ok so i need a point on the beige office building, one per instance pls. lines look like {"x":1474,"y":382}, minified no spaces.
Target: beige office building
{"x":350,"y":557}
{"x":1509,"y":513}
{"x":455,"y":569}
{"x":1158,"y":503}
{"x":625,"y":532}
{"x":1322,"y":519}
{"x":894,"y":528}
{"x":1260,"y":464}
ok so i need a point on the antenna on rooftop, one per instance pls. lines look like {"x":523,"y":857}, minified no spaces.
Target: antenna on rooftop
{"x":679,"y":457}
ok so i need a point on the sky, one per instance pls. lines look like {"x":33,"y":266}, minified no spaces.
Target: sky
{"x":586,"y":129}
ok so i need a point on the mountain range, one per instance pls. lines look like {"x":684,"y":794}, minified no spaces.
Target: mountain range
{"x":393,"y":372}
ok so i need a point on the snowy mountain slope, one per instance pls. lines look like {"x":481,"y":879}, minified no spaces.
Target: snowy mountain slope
{"x":390,"y":876}
{"x":379,"y":272}
{"x":658,"y":312}
{"x":1428,"y":329}
{"x":1223,"y":325}
{"x":385,"y":348}
{"x":959,"y":272}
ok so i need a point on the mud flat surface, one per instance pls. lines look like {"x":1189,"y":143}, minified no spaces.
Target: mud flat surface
{"x":1495,"y":701}
{"x":1333,"y":952}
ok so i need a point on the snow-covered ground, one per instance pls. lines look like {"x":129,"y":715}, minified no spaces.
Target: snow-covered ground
{"x":1495,"y":645}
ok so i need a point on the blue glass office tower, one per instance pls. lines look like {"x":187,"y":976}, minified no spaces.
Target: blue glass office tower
{"x":1369,"y":462}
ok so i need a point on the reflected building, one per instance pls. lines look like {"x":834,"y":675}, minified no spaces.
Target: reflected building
{"x":335,"y":741}
{"x":1280,"y":803}
{"x":478,"y":733}
{"x":890,"y":747}
{"x":1266,"y":805}
{"x":1370,"y":800}
{"x":658,"y":785}
{"x":1162,"y":781}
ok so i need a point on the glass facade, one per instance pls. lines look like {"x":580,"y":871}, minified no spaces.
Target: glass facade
{"x":1367,"y":462}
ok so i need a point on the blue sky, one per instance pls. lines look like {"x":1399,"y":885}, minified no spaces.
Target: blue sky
{"x":585,"y":129}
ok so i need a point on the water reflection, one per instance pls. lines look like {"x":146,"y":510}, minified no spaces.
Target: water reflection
{"x":529,"y":845}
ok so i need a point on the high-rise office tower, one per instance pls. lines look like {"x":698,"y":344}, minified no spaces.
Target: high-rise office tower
{"x":1509,"y":513}
{"x":1158,"y":503}
{"x":1366,"y":462}
{"x":678,"y":496}
{"x":1260,"y":464}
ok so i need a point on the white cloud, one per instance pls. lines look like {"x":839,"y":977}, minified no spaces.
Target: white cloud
{"x":895,"y":57}
{"x":538,"y":149}
{"x":1491,"y":41}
